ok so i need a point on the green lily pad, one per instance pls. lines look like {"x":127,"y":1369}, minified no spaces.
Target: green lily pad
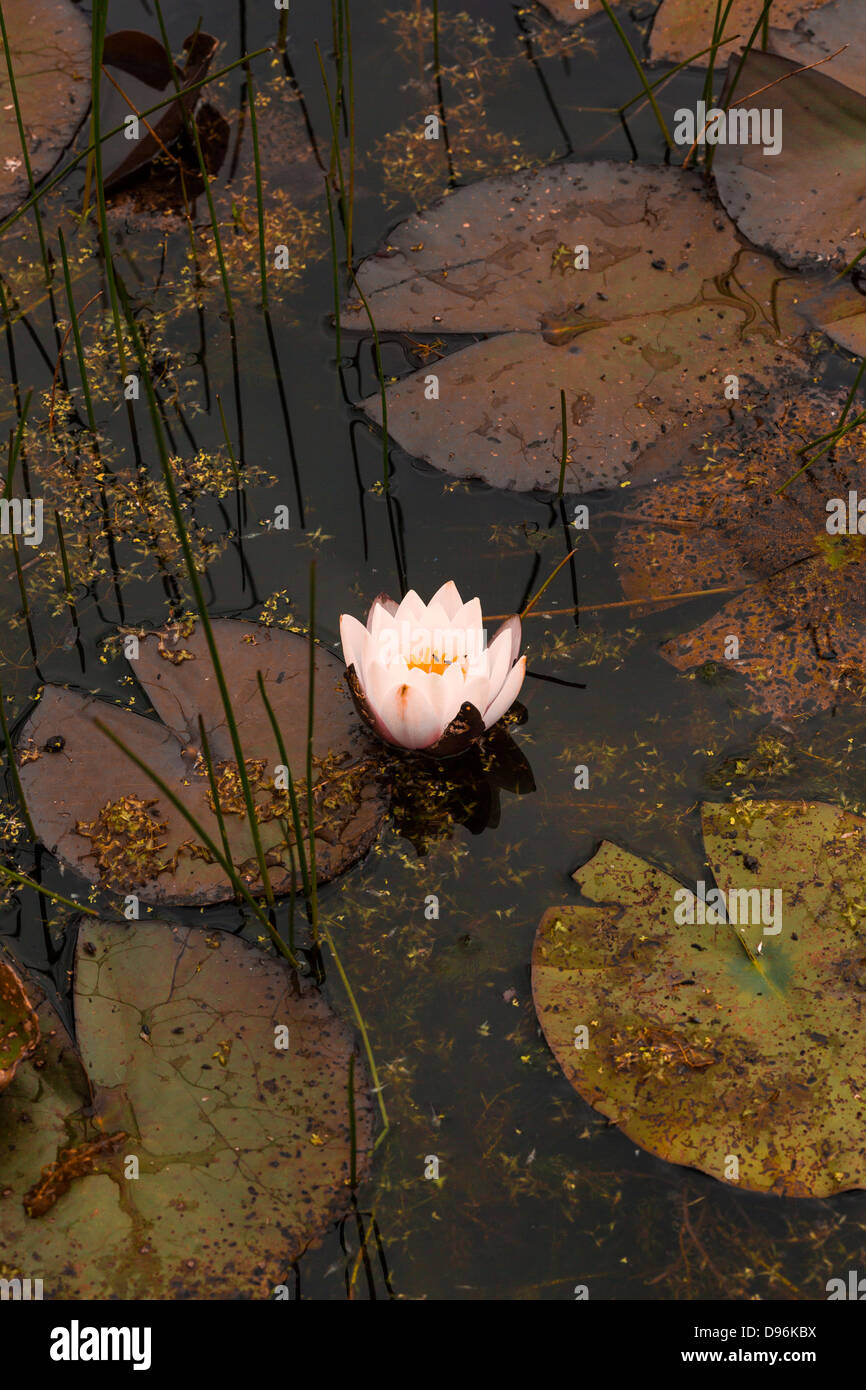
{"x":105,"y":818}
{"x":242,"y":1147}
{"x":720,"y":1046}
{"x":50,"y":47}
{"x":806,"y":204}
{"x":641,"y":341}
{"x":19,"y":1026}
{"x":683,"y":27}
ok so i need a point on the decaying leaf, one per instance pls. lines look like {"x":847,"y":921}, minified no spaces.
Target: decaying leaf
{"x":145,"y":1169}
{"x":800,"y":618}
{"x":734,"y":1044}
{"x":50,"y":48}
{"x":834,"y":31}
{"x":19,"y":1026}
{"x":96,"y":811}
{"x":807,"y":204}
{"x":682,"y":28}
{"x":641,"y":340}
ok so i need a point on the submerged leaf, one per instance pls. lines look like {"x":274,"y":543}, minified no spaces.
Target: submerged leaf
{"x":19,"y":1026}
{"x":641,"y":340}
{"x":50,"y":48}
{"x":730,"y":1048}
{"x":800,"y":620}
{"x":218,"y":1146}
{"x":98,"y":812}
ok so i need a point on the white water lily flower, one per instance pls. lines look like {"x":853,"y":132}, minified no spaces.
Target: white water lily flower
{"x":422,"y":675}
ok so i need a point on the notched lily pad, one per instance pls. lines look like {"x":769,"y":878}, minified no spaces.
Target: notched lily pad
{"x":19,"y":1026}
{"x":50,"y":47}
{"x":97,"y":812}
{"x":800,"y":618}
{"x":240,"y":1131}
{"x":723,"y":1047}
{"x":806,"y":204}
{"x":641,"y":341}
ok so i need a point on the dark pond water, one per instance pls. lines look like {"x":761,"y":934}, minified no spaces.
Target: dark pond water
{"x":537,"y":1193}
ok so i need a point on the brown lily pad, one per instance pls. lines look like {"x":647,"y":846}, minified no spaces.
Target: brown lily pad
{"x":19,"y":1026}
{"x":183,"y":1152}
{"x":800,"y":615}
{"x":567,"y":11}
{"x":100,"y":814}
{"x":50,"y":48}
{"x":715,"y":1042}
{"x":806,"y":204}
{"x":824,"y":32}
{"x":683,"y":27}
{"x":641,"y":342}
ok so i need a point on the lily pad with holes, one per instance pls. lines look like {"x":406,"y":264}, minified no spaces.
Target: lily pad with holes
{"x":798,"y":603}
{"x":50,"y":48}
{"x":19,"y":1026}
{"x":682,"y":28}
{"x":641,"y":341}
{"x":806,"y":204}
{"x":241,"y":1145}
{"x":100,"y":814}
{"x":728,"y":1048}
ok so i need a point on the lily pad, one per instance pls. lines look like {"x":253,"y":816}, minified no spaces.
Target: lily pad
{"x":50,"y":48}
{"x":19,"y":1026}
{"x":807,"y":204}
{"x":800,"y":618}
{"x":684,"y":27}
{"x":827,"y":30}
{"x":242,"y":1146}
{"x":104,"y":817}
{"x":722,"y":1046}
{"x":568,"y":12}
{"x":641,"y":341}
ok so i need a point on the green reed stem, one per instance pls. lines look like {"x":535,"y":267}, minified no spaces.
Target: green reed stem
{"x":335,"y":271}
{"x":195,"y":583}
{"x":15,"y":445}
{"x":638,"y":66}
{"x":100,"y":17}
{"x":311,"y":707}
{"x":67,"y":577}
{"x":353,"y":1127}
{"x":350,"y":208}
{"x":362,"y":1028}
{"x":76,"y":337}
{"x":214,"y":789}
{"x":293,"y":799}
{"x":228,"y":440}
{"x":25,"y":604}
{"x":564,"y":444}
{"x":117,"y":130}
{"x":711,"y":149}
{"x":336,"y":156}
{"x":834,"y":436}
{"x":13,"y":769}
{"x":549,"y":580}
{"x":46,"y":892}
{"x":719,"y":23}
{"x":386,"y":464}
{"x":260,"y":200}
{"x":672,"y":72}
{"x":192,"y":132}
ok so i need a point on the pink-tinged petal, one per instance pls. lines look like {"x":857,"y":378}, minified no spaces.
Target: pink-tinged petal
{"x":477,"y":691}
{"x":507,"y":695}
{"x":469,"y":615}
{"x":411,"y":609}
{"x":436,"y":618}
{"x":449,"y":599}
{"x":411,"y":717}
{"x":379,"y":681}
{"x":354,"y":639}
{"x":384,"y":602}
{"x":500,"y":662}
{"x":511,"y":625}
{"x":380,"y":620}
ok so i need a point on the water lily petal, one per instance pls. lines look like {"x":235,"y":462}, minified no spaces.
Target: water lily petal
{"x":449,"y":599}
{"x":354,"y":639}
{"x":411,"y":717}
{"x":411,"y":609}
{"x":507,"y":695}
{"x":511,"y":625}
{"x":500,"y":661}
{"x":382,"y":601}
{"x":469,"y":615}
